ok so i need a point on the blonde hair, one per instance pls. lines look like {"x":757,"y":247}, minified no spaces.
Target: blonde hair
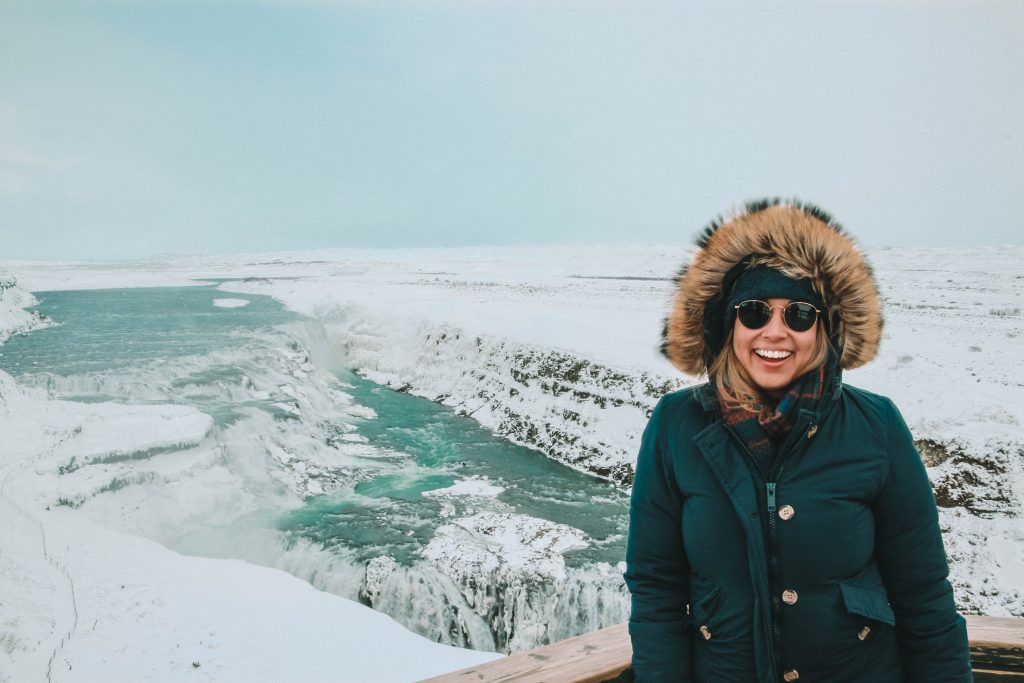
{"x":734,"y":386}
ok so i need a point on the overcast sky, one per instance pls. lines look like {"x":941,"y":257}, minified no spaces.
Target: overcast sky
{"x":134,"y":128}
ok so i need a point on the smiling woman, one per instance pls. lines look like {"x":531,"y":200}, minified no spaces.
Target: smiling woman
{"x":765,"y":353}
{"x":782,"y":525}
{"x":774,"y":354}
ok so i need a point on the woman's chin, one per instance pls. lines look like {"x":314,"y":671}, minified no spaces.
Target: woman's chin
{"x":772,"y":377}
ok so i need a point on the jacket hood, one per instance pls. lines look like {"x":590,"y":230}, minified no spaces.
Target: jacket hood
{"x":794,"y":237}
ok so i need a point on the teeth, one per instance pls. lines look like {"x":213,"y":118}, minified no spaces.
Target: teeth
{"x":776,"y":355}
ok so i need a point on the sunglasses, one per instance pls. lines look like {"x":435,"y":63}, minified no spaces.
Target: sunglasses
{"x":798,"y":316}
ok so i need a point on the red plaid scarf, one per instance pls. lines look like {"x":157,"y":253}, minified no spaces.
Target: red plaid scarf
{"x":764,"y":432}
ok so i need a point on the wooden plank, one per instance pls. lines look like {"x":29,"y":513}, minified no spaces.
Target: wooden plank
{"x":595,"y":657}
{"x":996,"y":643}
{"x":987,"y":676}
{"x":997,"y":653}
{"x":998,"y":631}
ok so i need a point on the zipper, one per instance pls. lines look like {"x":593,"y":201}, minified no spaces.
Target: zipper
{"x":781,"y":464}
{"x":769,"y":545}
{"x":771,"y":542}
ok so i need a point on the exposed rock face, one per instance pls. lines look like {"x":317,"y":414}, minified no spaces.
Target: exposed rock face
{"x":981,"y":484}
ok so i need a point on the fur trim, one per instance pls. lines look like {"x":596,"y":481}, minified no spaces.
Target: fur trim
{"x":796,"y":238}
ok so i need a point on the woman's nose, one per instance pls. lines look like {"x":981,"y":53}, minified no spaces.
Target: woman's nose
{"x":776,"y":326}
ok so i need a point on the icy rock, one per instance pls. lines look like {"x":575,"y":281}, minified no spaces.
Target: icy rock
{"x":377,"y":570}
{"x":509,"y":569}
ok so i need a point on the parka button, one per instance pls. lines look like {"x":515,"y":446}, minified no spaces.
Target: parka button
{"x":789,"y":597}
{"x":791,"y":675}
{"x":706,"y":632}
{"x":786,"y":512}
{"x":864,"y":633}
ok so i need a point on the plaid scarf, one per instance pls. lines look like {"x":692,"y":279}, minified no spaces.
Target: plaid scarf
{"x":765,"y":432}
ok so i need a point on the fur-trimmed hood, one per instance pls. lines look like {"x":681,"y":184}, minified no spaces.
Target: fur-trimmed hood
{"x":796,"y":238}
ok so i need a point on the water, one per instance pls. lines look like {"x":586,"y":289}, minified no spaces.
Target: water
{"x":446,"y":447}
{"x":111,"y":330}
{"x":349,"y":462}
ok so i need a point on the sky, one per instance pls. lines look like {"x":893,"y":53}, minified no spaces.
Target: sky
{"x":131,"y":129}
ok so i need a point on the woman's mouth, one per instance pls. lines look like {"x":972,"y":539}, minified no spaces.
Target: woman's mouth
{"x":772,"y":355}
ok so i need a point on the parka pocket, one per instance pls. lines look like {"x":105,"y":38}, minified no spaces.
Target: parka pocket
{"x":868,"y":602}
{"x":871,"y":604}
{"x":702,"y":613}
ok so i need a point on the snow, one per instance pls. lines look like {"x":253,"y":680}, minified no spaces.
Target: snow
{"x":552,"y":347}
{"x":230,"y":303}
{"x":467,"y":487}
{"x":147,"y":613}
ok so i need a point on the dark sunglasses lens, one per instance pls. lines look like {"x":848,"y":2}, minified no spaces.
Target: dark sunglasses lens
{"x":754,"y":314}
{"x":800,"y":317}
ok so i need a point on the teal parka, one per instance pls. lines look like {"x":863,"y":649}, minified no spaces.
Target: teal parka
{"x":830,"y":567}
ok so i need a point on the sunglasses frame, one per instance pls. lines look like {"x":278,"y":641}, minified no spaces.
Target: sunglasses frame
{"x":771,"y":312}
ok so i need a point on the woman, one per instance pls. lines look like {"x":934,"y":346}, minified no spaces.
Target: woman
{"x":782,"y":525}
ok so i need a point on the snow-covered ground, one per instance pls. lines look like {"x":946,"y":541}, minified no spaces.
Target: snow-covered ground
{"x":556,"y":348}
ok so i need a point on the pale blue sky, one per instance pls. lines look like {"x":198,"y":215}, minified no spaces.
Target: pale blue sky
{"x":191,"y":126}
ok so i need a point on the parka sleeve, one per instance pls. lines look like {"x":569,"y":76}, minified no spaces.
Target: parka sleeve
{"x":657,"y":570}
{"x":932,"y":636}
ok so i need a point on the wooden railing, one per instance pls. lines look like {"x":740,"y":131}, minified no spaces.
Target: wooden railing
{"x":997,"y":654}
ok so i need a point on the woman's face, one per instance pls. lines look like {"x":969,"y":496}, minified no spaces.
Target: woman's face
{"x":773,"y":355}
